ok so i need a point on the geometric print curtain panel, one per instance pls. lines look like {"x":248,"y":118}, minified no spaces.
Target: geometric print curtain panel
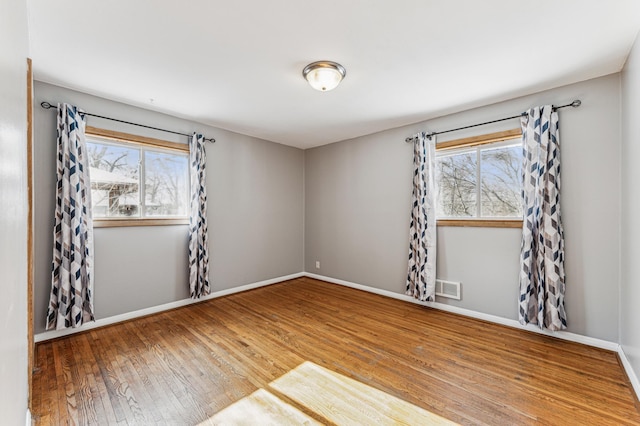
{"x":421,"y":276}
{"x":71,"y":298}
{"x":198,"y":237}
{"x":542,"y":277}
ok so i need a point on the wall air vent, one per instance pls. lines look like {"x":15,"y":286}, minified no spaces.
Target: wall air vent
{"x":448,"y":289}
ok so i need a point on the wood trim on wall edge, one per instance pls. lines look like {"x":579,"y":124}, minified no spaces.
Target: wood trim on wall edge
{"x":30,"y":236}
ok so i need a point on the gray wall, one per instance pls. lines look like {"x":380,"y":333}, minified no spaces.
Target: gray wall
{"x":255,"y":213}
{"x":630,"y":264}
{"x":357,"y":198}
{"x":349,"y":203}
{"x":13,"y":212}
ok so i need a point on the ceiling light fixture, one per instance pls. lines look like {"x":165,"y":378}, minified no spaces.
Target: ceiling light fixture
{"x":324,"y":75}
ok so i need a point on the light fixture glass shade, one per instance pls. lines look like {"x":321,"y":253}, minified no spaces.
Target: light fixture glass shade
{"x":324,"y":75}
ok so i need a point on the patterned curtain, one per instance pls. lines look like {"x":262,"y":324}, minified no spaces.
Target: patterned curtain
{"x":71,"y":299}
{"x":198,"y":244}
{"x":421,"y":278}
{"x":542,"y":280}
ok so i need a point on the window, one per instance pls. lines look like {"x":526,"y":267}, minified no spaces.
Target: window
{"x":479,"y":181}
{"x":136,"y":182}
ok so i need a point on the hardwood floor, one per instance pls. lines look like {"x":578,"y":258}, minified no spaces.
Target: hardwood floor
{"x":185,"y":366}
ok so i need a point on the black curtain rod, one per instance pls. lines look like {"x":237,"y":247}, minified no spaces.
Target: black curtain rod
{"x":574,"y":104}
{"x":47,"y":105}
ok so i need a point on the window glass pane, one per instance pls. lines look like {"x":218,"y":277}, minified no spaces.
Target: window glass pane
{"x":457,"y":175}
{"x":500,"y":177}
{"x":114,"y":172}
{"x":166,"y":184}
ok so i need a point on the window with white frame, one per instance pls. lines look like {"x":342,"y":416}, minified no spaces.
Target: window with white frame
{"x":480,"y":181}
{"x":131,"y":180}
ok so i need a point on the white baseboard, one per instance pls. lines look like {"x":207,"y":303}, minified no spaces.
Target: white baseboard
{"x":48,"y":335}
{"x":578,"y":338}
{"x":598,"y":343}
{"x":633,"y":378}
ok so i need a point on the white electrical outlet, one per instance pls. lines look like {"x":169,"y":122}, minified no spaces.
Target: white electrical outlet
{"x":317,"y":264}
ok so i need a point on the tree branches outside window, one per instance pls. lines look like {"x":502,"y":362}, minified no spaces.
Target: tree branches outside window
{"x":134,"y":181}
{"x":480,"y":182}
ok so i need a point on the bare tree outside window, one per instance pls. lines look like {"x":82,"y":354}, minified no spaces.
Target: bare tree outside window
{"x":135,"y":181}
{"x":500,"y":178}
{"x":166,"y":180}
{"x":114,"y":172}
{"x":496,"y":195}
{"x":458,"y":185}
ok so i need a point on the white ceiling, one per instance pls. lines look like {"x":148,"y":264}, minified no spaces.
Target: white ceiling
{"x":237,"y":64}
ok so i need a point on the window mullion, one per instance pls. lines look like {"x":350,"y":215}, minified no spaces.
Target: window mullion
{"x":478,"y":184}
{"x":142,"y":185}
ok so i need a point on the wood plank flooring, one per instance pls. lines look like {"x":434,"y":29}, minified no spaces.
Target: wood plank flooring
{"x":184,"y":366}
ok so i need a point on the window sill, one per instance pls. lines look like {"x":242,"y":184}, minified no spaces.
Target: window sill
{"x":114,"y":223}
{"x":481,"y":223}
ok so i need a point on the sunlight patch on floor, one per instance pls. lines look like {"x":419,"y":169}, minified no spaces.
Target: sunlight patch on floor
{"x":336,"y":398}
{"x":345,"y":401}
{"x":261,"y":407}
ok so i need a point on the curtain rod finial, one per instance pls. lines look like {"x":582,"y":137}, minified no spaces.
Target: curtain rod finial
{"x":576,"y":103}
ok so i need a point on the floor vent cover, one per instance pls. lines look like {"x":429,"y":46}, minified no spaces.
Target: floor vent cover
{"x":448,"y":289}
